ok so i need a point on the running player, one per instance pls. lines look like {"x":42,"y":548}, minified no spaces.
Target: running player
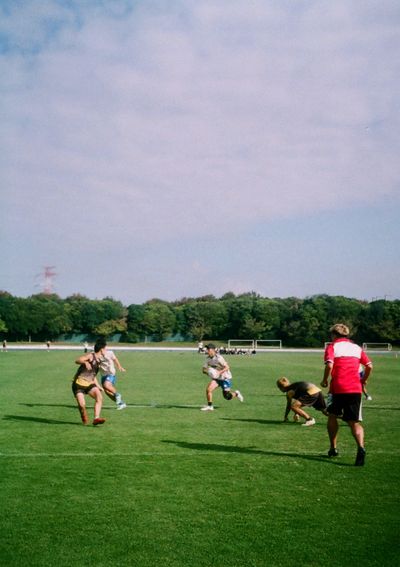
{"x":217,"y":368}
{"x":85,"y":383}
{"x":108,"y":377}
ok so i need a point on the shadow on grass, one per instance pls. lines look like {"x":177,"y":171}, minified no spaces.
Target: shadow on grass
{"x":40,"y":420}
{"x":262,"y":421}
{"x":105,"y":407}
{"x":47,"y":405}
{"x":155,"y":405}
{"x":253,"y":451}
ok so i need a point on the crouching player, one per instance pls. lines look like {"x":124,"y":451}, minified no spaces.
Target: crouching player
{"x":299,"y":395}
{"x":217,"y":369}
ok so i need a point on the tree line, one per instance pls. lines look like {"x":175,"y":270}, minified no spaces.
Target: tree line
{"x":297,"y":322}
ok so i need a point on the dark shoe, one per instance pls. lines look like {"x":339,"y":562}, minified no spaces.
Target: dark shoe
{"x":333,"y":452}
{"x":360,"y":458}
{"x":98,"y":421}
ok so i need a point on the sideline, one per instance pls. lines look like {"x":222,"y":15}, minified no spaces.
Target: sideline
{"x":149,"y":349}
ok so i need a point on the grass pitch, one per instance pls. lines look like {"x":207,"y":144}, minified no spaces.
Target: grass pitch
{"x":163,"y":484}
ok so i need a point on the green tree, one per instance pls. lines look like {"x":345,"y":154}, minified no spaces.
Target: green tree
{"x":239,"y":308}
{"x":382,"y":322}
{"x":252,"y":328}
{"x":158,"y":320}
{"x":111,"y":327}
{"x":50,"y":311}
{"x":3,"y":326}
{"x":266,"y":311}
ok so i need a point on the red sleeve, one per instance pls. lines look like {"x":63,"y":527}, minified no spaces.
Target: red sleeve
{"x":364,"y":360}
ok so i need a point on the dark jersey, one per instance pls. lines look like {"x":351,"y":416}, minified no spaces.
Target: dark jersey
{"x":300,"y":389}
{"x":88,"y":374}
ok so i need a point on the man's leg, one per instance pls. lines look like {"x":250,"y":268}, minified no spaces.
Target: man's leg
{"x":98,"y":402}
{"x":80,"y":398}
{"x":333,"y":428}
{"x":113,"y":394}
{"x":110,"y":390}
{"x":297,"y":409}
{"x":209,"y":394}
{"x":358,"y":433}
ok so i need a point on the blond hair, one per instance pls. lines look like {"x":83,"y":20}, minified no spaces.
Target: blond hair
{"x":340,"y":330}
{"x":282,"y":382}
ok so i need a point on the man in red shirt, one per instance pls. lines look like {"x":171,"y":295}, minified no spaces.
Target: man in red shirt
{"x":342,"y":362}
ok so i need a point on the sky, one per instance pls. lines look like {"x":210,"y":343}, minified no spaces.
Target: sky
{"x":179,"y":148}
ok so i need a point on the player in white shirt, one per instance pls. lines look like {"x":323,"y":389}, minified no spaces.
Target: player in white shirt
{"x":216,"y":367}
{"x":108,"y":377}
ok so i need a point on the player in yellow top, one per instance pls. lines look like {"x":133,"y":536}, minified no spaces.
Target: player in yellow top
{"x":85,"y":383}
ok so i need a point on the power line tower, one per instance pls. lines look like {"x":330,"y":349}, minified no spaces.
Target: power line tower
{"x":48,"y":279}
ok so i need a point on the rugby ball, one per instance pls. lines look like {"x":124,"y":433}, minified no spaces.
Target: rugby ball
{"x":213,"y":373}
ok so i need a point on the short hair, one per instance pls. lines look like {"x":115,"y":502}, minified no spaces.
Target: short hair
{"x":340,"y":330}
{"x":100,"y":343}
{"x":282,"y":382}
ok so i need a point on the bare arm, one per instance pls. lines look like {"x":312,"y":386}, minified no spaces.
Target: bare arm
{"x":84,"y":359}
{"x":367,"y":372}
{"x":118,"y":364}
{"x":327,"y":372}
{"x":289,"y":397}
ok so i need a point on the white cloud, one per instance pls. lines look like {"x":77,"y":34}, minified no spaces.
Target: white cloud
{"x":194,"y":117}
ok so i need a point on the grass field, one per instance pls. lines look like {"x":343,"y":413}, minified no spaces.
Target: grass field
{"x":163,"y":484}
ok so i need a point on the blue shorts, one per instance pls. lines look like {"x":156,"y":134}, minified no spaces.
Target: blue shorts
{"x":224,"y":384}
{"x":109,"y":378}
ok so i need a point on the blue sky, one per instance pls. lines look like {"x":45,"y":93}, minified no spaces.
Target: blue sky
{"x":180,"y":148}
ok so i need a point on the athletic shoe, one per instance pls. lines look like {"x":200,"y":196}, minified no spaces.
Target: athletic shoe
{"x":98,"y":420}
{"x":333,"y":452}
{"x":239,"y":396}
{"x":121,"y":405}
{"x":369,"y":398}
{"x":207,"y":408}
{"x":360,"y":458}
{"x":310,"y":421}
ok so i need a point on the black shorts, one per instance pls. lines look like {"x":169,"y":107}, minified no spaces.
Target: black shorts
{"x":76,"y":388}
{"x":346,"y":406}
{"x":317,"y":401}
